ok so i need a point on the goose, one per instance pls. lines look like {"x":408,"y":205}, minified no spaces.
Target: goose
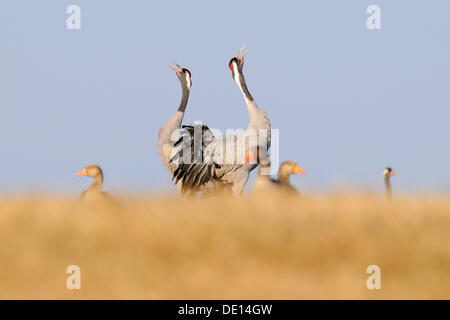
{"x":387,"y":174}
{"x":263,"y":181}
{"x":168,"y":130}
{"x":95,"y":190}
{"x":215,"y":167}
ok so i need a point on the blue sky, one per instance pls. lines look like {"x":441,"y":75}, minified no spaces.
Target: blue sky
{"x":348,"y":101}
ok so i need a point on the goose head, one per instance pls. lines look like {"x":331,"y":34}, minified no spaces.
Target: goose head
{"x":290,"y":167}
{"x":92,"y":170}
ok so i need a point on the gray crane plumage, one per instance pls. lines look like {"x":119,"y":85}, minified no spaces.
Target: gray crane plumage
{"x":211,"y":169}
{"x":173,"y":126}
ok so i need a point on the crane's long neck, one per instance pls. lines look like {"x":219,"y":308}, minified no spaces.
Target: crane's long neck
{"x":258,"y":119}
{"x":252,"y":107}
{"x":184,"y":99}
{"x":177,"y":119}
{"x":240,"y":80}
{"x":387,"y":182}
{"x":97,"y":183}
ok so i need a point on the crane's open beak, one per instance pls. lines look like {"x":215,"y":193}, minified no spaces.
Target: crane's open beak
{"x":82,"y":173}
{"x":179,"y":68}
{"x":241,"y":58}
{"x":298,"y":170}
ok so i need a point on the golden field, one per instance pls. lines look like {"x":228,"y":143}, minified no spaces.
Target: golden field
{"x":247,"y":248}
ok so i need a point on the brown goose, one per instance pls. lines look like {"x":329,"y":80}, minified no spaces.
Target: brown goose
{"x":387,"y":174}
{"x":264,"y":183}
{"x":95,"y":190}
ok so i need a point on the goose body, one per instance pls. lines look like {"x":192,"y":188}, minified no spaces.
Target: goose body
{"x":264,"y":183}
{"x":94,"y":193}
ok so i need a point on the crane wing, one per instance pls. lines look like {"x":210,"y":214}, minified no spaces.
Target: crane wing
{"x":194,"y":153}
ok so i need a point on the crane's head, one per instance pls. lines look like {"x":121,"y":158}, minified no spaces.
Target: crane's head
{"x":388,"y":172}
{"x":90,"y":171}
{"x":237,"y":63}
{"x":184,"y":75}
{"x":290,"y":167}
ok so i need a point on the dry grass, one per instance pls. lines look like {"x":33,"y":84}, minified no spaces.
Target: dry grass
{"x":271,"y":248}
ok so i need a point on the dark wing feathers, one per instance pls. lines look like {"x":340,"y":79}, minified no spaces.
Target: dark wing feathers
{"x":199,"y":167}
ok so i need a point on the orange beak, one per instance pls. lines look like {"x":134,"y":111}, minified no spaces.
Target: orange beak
{"x":298,"y":170}
{"x":82,"y":172}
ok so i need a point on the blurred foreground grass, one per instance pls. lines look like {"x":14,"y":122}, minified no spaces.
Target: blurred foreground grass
{"x":261,"y":248}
